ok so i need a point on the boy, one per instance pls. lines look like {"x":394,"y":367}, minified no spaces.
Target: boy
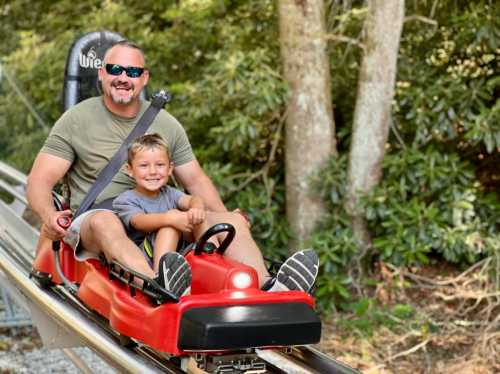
{"x":155,"y":215}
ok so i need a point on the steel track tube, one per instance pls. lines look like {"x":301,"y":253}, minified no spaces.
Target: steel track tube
{"x":124,"y":360}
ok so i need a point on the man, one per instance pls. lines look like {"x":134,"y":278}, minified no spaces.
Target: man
{"x":85,"y":138}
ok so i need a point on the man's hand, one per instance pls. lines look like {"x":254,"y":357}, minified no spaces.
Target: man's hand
{"x":51,"y":228}
{"x":179,"y":220}
{"x":196,"y":216}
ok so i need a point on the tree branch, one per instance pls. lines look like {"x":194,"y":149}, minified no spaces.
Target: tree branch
{"x":411,"y":350}
{"x":423,"y":19}
{"x":344,"y":39}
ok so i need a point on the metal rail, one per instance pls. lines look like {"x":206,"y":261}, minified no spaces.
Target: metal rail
{"x":12,"y":173}
{"x":73,"y":320}
{"x":17,"y":240}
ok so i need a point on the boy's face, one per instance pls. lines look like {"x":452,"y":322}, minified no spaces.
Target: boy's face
{"x":151,"y":169}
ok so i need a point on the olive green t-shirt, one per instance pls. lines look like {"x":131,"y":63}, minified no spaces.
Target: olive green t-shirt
{"x":88,"y":135}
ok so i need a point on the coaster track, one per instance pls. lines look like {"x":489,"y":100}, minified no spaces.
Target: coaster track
{"x":17,"y":243}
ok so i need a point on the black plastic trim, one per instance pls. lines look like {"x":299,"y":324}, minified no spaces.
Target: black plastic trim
{"x":249,"y":326}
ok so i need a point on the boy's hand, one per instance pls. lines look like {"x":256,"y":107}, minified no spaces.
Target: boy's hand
{"x":180,"y":220}
{"x":196,"y":215}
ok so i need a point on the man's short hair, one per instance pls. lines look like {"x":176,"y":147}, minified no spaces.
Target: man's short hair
{"x":148,"y":141}
{"x":125,"y":43}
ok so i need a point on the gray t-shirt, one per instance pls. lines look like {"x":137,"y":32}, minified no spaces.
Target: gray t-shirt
{"x":130,"y":203}
{"x":88,"y":135}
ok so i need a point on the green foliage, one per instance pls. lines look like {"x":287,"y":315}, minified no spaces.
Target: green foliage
{"x":367,"y":316}
{"x":229,"y":94}
{"x":438,"y":197}
{"x":453,"y":96}
{"x":446,"y":129}
{"x":336,"y":247}
{"x":345,"y":61}
{"x":427,"y":203}
{"x":333,"y":240}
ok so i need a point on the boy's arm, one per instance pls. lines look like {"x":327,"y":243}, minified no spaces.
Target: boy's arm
{"x":133,"y":215}
{"x":149,"y":222}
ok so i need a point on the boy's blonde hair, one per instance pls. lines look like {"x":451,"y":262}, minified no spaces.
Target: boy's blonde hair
{"x":148,"y":141}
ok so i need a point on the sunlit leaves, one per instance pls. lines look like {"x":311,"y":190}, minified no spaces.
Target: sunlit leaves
{"x":452,"y":96}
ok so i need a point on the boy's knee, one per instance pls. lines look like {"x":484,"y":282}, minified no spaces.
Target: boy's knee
{"x":170,"y":231}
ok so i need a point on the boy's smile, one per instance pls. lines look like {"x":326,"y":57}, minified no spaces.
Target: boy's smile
{"x":151,"y":169}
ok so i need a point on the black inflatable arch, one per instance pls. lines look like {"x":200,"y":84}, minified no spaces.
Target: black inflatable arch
{"x":84,"y":59}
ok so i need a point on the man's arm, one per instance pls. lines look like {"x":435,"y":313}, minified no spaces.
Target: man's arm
{"x":47,"y":170}
{"x":195,"y":208}
{"x":187,"y":202}
{"x":193,"y":178}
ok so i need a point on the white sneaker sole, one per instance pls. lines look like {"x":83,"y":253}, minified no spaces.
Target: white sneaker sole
{"x":176,"y":273}
{"x":298,"y":272}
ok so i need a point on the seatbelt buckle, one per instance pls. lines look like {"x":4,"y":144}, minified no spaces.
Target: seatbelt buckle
{"x":161,"y":98}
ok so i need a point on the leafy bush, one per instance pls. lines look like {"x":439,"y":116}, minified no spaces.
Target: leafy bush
{"x":438,"y":198}
{"x":368,"y":316}
{"x":427,"y":202}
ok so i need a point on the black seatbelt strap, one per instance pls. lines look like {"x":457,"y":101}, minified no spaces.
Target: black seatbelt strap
{"x":106,"y":175}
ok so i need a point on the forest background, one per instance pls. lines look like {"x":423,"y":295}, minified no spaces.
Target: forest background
{"x":426,"y":294}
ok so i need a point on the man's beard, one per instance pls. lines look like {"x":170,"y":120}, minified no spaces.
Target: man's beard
{"x":117,"y":99}
{"x":121,"y":100}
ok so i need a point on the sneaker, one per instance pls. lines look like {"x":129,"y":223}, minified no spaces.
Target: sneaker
{"x":174,"y":274}
{"x":298,"y":272}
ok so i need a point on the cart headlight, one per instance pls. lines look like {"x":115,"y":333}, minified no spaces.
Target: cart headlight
{"x":241,"y":280}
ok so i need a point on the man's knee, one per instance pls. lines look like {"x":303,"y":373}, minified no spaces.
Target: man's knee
{"x":104,"y":222}
{"x":100,"y":230}
{"x":237,"y":220}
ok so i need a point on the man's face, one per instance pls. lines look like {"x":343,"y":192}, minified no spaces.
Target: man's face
{"x":123,"y":89}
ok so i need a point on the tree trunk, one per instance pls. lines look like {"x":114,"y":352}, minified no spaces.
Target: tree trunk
{"x":383,"y":28}
{"x":310,"y":129}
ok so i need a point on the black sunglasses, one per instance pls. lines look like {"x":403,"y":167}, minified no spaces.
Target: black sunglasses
{"x":131,"y":71}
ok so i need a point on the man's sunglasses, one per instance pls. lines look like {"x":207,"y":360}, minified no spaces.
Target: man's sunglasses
{"x":131,"y":71}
